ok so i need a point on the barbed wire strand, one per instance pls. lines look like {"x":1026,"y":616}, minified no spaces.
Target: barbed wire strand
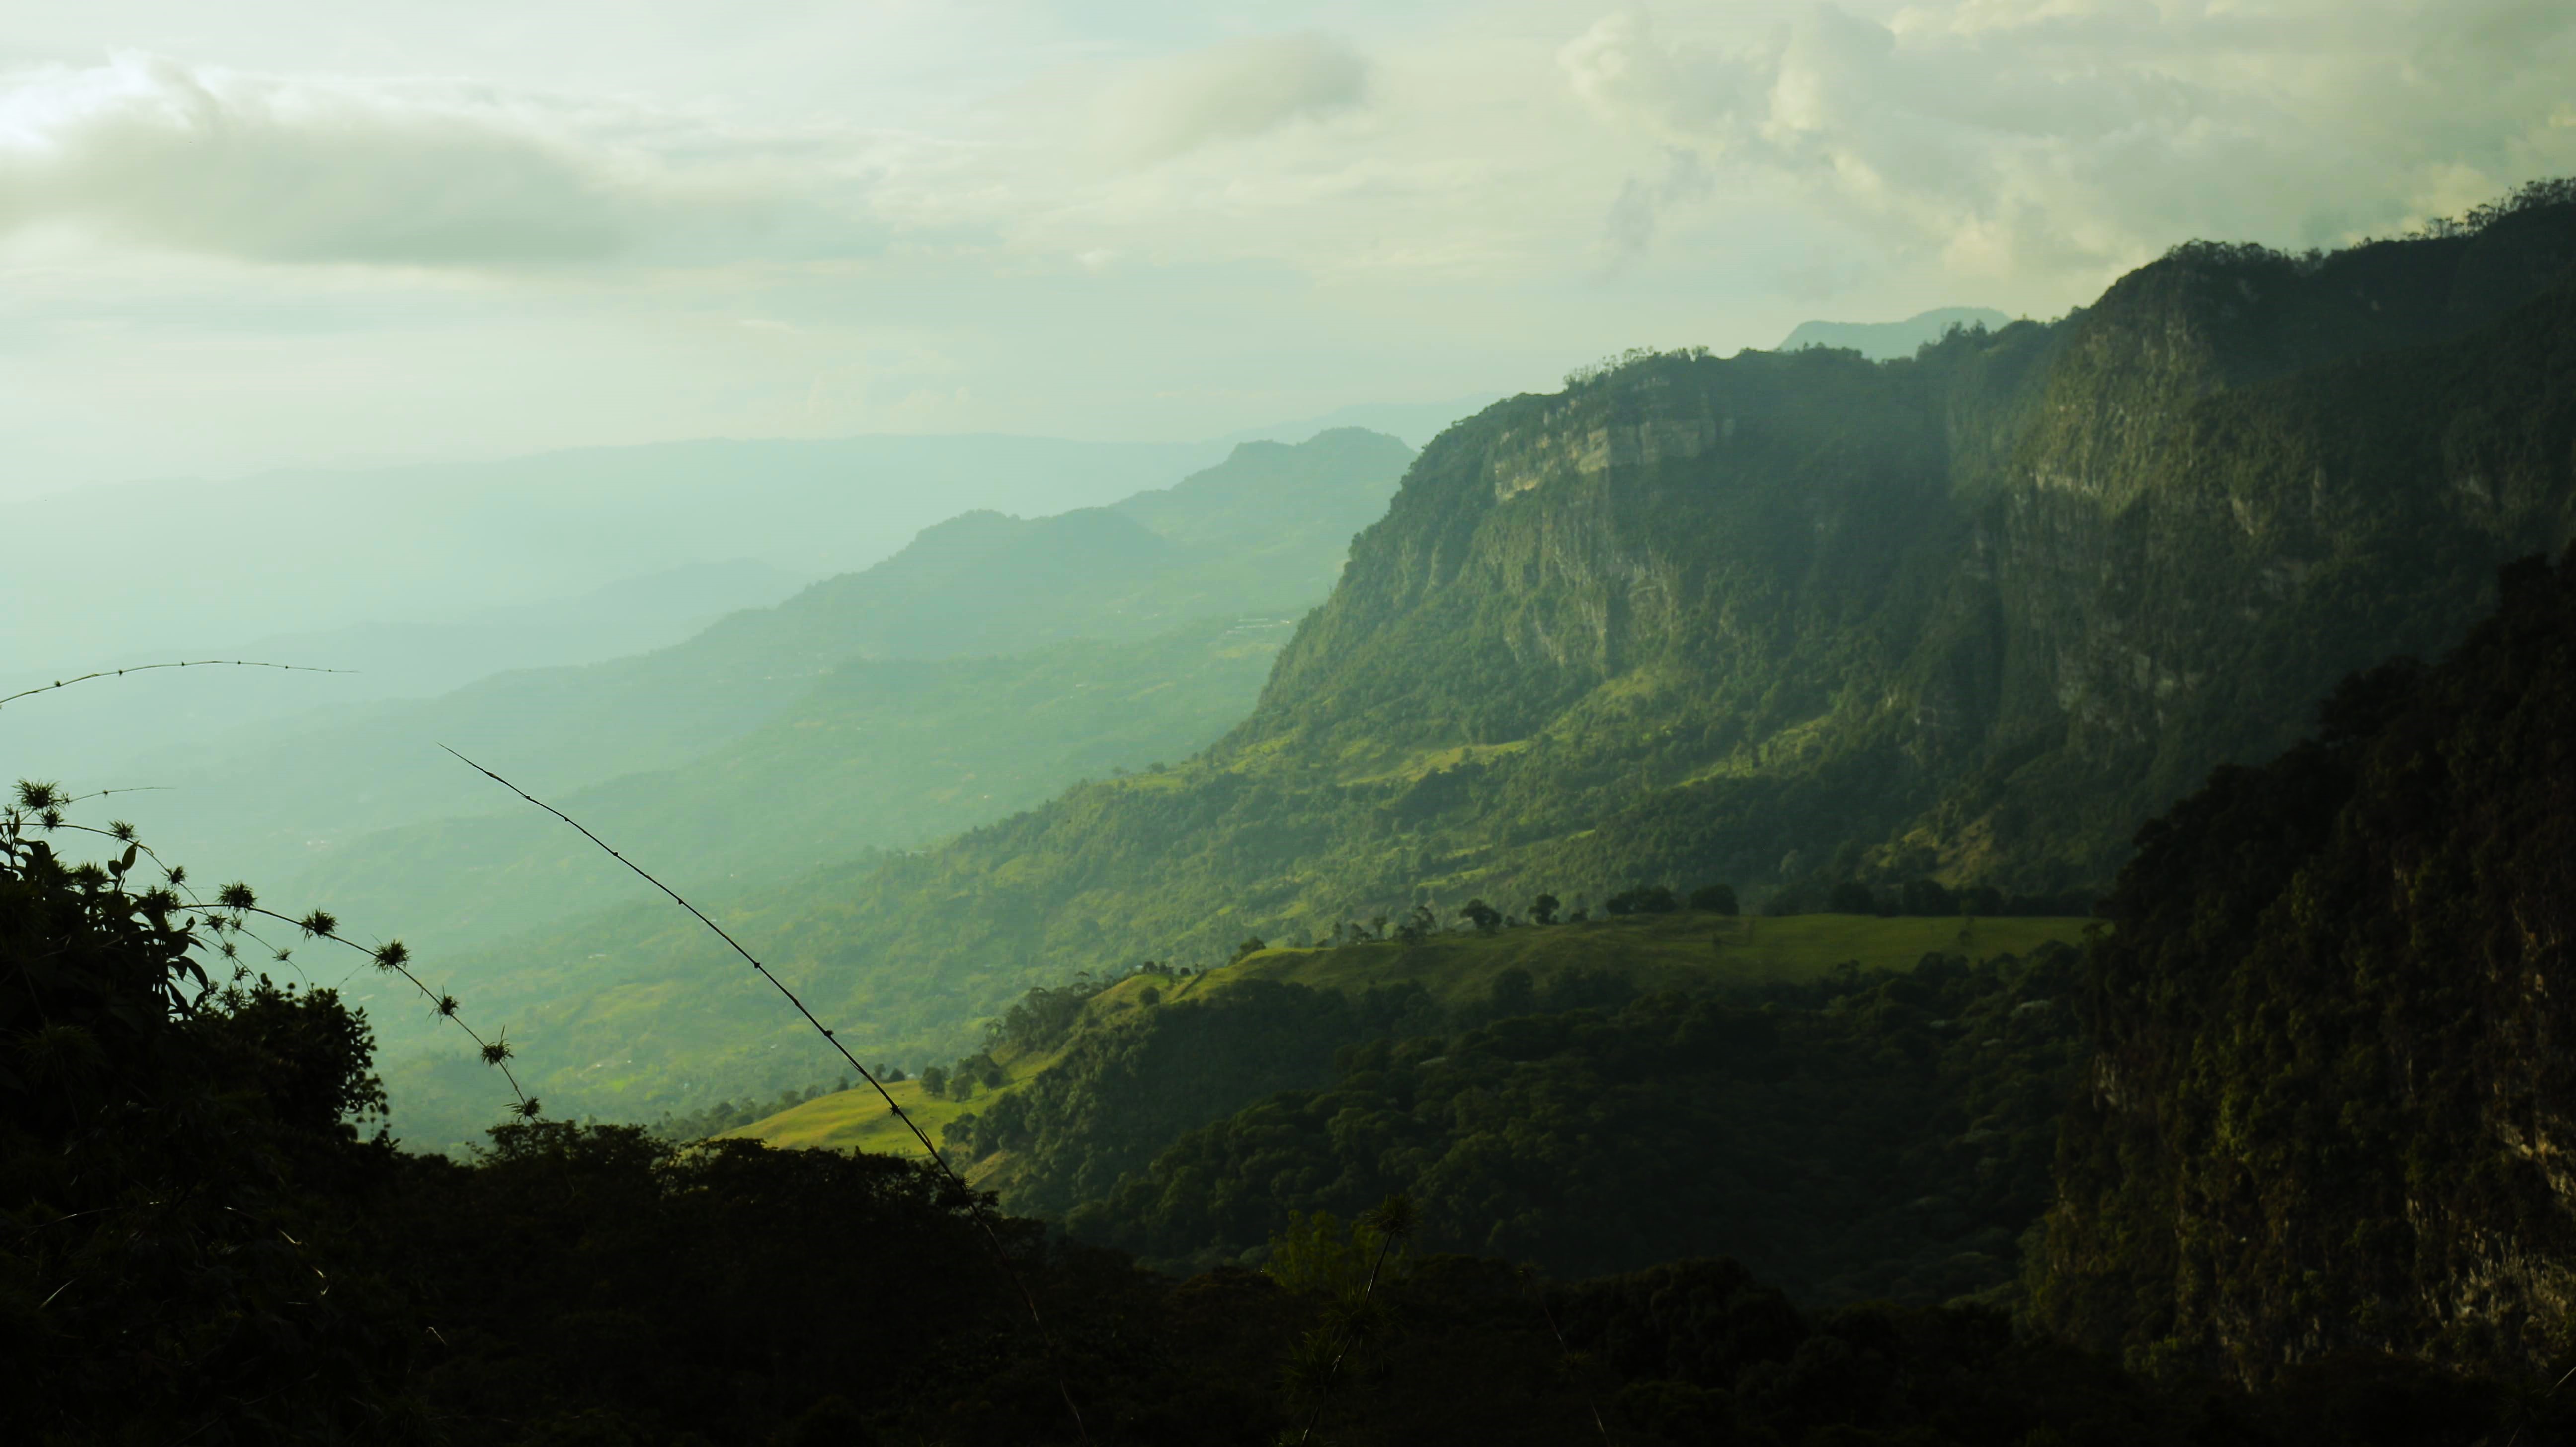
{"x":974,"y":1206}
{"x":6,"y":700}
{"x":71,"y":799}
{"x":392,"y":956}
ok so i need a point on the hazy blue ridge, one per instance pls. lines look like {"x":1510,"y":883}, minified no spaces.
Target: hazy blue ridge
{"x":1887,"y":341}
{"x":99,"y":731}
{"x":270,"y":803}
{"x":212,"y":564}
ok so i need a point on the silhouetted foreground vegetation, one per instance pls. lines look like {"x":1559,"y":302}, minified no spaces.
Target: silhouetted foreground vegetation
{"x":200,"y":1245}
{"x":176,"y":1169}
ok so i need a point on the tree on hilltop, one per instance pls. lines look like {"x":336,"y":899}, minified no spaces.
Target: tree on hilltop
{"x":1650,"y":899}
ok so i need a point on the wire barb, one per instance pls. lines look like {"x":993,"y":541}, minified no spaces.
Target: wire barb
{"x":235,"y":902}
{"x":6,"y":700}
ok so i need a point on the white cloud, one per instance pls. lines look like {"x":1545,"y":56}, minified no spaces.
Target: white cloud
{"x":1230,"y":91}
{"x":2020,"y":137}
{"x":1636,"y":215}
{"x":150,"y":150}
{"x":586,"y":238}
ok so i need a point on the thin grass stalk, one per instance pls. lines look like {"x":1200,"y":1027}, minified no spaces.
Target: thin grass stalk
{"x":1393,"y":1220}
{"x":1590,"y":1403}
{"x":974,"y":1207}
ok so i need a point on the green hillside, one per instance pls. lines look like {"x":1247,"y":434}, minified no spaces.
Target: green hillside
{"x":875,"y":754}
{"x":878,"y":755}
{"x":1799,"y":622}
{"x":272,"y":804}
{"x":1680,"y":951}
{"x":1617,"y":1091}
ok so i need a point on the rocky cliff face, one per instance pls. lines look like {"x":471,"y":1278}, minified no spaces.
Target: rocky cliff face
{"x":1983,"y":610}
{"x":1787,"y":619}
{"x":1689,"y":515}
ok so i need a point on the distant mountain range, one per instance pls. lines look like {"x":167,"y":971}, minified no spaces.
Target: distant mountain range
{"x":415,"y":581}
{"x":200,"y":564}
{"x":99,"y":731}
{"x":1413,"y":423}
{"x":208,"y":565}
{"x":1887,"y":341}
{"x":975,"y":673}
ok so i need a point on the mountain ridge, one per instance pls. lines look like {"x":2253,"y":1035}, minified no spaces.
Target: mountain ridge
{"x":983,"y":585}
{"x":218,"y":563}
{"x":1802,"y":620}
{"x":1887,"y":341}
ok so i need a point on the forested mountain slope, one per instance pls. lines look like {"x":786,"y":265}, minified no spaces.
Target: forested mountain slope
{"x":1985,"y":610}
{"x":2330,"y":1094}
{"x":879,"y":754}
{"x":1866,"y":1137}
{"x":982,"y":583}
{"x":1793,"y":619}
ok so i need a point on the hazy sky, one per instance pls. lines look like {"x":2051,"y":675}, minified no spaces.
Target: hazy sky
{"x":276,"y":232}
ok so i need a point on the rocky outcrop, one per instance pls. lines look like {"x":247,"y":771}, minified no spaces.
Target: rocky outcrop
{"x":1985,"y":609}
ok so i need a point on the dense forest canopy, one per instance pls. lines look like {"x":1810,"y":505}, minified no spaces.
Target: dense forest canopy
{"x":2321,"y":1110}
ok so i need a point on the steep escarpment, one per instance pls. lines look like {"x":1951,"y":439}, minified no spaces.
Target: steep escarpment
{"x":2330,"y":1100}
{"x":1793,"y":621}
{"x":1737,"y":521}
{"x":2287,"y":532}
{"x":1972,"y":614}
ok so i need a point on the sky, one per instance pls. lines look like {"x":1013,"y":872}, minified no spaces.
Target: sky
{"x":279,"y":233}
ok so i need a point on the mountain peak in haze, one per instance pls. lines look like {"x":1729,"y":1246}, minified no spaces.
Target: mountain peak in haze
{"x":1414,"y":423}
{"x":1885,"y":341}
